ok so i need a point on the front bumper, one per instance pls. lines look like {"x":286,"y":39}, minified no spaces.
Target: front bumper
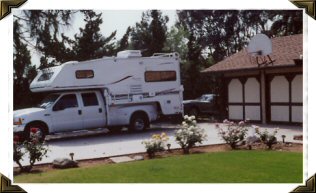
{"x":18,"y":128}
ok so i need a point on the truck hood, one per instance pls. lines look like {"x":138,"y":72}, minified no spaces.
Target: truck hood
{"x":27,"y":111}
{"x":189,"y":101}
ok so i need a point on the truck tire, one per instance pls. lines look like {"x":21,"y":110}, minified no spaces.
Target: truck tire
{"x":42,"y":131}
{"x":194,"y":112}
{"x":139,"y":122}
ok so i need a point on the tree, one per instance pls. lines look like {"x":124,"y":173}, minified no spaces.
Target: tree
{"x":286,"y":22}
{"x":90,"y":43}
{"x":123,"y":44}
{"x":23,"y":70}
{"x":176,"y":41}
{"x":42,"y":32}
{"x":149,"y":34}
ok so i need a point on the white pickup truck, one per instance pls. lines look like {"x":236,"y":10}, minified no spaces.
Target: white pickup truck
{"x":69,"y":111}
{"x":111,"y":92}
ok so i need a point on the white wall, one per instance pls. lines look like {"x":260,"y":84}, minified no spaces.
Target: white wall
{"x":252,"y":113}
{"x":280,"y":113}
{"x":235,"y":91}
{"x":297,"y":114}
{"x":297,"y":89}
{"x":252,"y":91}
{"x":235,"y":112}
{"x":279,"y":89}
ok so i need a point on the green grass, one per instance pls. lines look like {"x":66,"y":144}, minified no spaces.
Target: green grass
{"x":218,"y":167}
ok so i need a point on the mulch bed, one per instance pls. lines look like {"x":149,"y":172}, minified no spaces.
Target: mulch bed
{"x":288,"y":147}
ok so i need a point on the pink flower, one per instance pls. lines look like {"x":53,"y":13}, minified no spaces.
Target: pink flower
{"x":241,"y":123}
{"x":34,"y":130}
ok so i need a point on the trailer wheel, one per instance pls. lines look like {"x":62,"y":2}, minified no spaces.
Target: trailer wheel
{"x":139,"y":122}
{"x":42,"y":131}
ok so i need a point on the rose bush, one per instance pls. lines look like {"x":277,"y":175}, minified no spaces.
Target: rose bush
{"x":156,"y":143}
{"x":34,"y":148}
{"x":189,"y":134}
{"x":232,"y":133}
{"x":266,"y":137}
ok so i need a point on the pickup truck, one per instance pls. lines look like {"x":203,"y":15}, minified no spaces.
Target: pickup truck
{"x":78,"y":110}
{"x":203,"y":105}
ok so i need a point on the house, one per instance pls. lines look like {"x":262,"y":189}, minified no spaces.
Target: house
{"x":265,"y":89}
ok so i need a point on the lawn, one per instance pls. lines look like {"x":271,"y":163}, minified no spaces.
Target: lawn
{"x":218,"y":167}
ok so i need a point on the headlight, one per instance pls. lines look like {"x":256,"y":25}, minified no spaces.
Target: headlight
{"x":17,"y":121}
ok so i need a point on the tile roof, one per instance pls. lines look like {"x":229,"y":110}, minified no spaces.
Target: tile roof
{"x":284,"y":50}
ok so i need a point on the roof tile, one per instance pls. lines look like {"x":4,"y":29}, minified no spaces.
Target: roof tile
{"x":284,"y":50}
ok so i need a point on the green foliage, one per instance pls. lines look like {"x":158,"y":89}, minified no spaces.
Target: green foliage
{"x":124,"y":43}
{"x":149,"y":34}
{"x":232,"y":133}
{"x":218,"y":167}
{"x":156,"y":143}
{"x":90,"y":43}
{"x":24,"y":72}
{"x":34,"y":148}
{"x":190,"y":134}
{"x":266,"y":137}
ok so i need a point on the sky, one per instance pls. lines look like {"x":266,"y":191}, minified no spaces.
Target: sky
{"x":118,"y":20}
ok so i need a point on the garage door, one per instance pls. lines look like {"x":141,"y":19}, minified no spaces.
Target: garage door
{"x":244,"y":99}
{"x":286,"y":98}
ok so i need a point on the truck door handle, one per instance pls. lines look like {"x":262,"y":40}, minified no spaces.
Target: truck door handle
{"x":79,"y":112}
{"x":100,"y":110}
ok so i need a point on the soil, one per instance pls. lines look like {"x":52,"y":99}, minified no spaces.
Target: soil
{"x":287,"y":147}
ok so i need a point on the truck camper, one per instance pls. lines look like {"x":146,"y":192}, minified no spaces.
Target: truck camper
{"x":112,"y":92}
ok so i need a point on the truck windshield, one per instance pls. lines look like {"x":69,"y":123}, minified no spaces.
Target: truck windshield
{"x":48,"y":101}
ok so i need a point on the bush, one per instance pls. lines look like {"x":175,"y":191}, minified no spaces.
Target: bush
{"x":35,"y":149}
{"x":267,"y":138}
{"x":189,"y":134}
{"x":155,"y":144}
{"x":234,"y":133}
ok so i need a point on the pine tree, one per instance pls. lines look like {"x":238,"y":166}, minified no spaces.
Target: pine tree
{"x":90,"y":43}
{"x":23,"y":70}
{"x":149,"y":35}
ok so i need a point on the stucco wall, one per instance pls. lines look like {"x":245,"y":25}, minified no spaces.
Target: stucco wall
{"x":252,"y":91}
{"x":280,"y":113}
{"x":235,"y":112}
{"x":297,"y":89}
{"x":235,"y":91}
{"x":279,"y":91}
{"x":252,"y":113}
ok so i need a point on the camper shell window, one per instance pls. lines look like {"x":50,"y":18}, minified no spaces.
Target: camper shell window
{"x":160,"y":76}
{"x":45,"y":76}
{"x":81,"y":74}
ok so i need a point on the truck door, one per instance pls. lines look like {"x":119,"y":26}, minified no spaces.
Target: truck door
{"x":93,"y":110}
{"x":66,"y":114}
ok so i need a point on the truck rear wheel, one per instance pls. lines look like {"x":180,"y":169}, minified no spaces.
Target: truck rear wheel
{"x":139,"y":122}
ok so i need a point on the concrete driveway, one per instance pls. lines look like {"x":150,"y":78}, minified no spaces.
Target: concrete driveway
{"x":101,"y":143}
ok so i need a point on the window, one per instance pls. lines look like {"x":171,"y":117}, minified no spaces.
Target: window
{"x":81,"y":74}
{"x":158,"y":76}
{"x":48,"y":101}
{"x":45,"y":76}
{"x":66,"y":101}
{"x":89,"y":99}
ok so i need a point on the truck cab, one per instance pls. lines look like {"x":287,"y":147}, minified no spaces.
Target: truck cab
{"x":64,"y":111}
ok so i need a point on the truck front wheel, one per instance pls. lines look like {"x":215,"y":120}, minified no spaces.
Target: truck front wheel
{"x":139,"y":122}
{"x":41,"y":131}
